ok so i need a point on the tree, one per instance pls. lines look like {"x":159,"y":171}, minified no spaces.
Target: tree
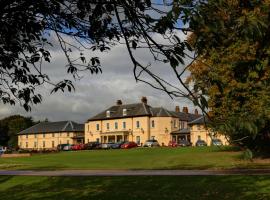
{"x":10,"y":126}
{"x":232,"y":69}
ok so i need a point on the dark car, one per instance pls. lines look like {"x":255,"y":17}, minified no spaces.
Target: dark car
{"x":200,"y":143}
{"x":172,"y":144}
{"x":128,"y":145}
{"x":216,"y":142}
{"x":117,"y":145}
{"x":92,"y":145}
{"x":184,"y":143}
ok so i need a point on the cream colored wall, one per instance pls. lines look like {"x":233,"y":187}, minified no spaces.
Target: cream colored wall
{"x":200,"y":130}
{"x":163,"y":127}
{"x":91,"y":132}
{"x":161,"y":132}
{"x":59,"y":138}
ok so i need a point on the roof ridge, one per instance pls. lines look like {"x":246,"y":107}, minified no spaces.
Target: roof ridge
{"x":68,"y":122}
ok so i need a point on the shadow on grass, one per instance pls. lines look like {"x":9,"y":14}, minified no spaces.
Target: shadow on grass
{"x":143,"y":187}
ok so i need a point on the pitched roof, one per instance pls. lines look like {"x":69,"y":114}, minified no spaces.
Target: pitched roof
{"x":141,"y":109}
{"x":50,"y":127}
{"x":200,"y":120}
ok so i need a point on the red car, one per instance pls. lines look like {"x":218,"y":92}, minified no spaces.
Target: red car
{"x":78,"y":147}
{"x":173,"y":144}
{"x":128,"y":145}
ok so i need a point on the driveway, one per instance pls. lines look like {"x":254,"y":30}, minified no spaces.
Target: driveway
{"x":136,"y":172}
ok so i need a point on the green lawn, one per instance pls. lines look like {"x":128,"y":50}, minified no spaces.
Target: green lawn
{"x":140,"y":158}
{"x":143,"y":187}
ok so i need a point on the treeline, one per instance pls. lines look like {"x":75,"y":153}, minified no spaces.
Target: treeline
{"x":10,"y":126}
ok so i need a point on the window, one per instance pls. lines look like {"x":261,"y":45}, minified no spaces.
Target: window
{"x":35,"y":144}
{"x":67,"y":141}
{"x":174,"y":123}
{"x":108,"y":126}
{"x":20,"y":144}
{"x":60,"y":134}
{"x":43,"y":135}
{"x":87,"y":140}
{"x":182,"y":125}
{"x":26,"y":136}
{"x":67,"y":134}
{"x":26,"y":144}
{"x":35,"y":135}
{"x":153,"y":124}
{"x":138,"y":140}
{"x":198,"y":127}
{"x":60,"y":142}
{"x":97,"y":127}
{"x":52,"y":144}
{"x":124,"y":125}
{"x":199,"y":137}
{"x":124,"y":112}
{"x":137,"y":124}
{"x":108,"y":113}
{"x":44,"y":144}
{"x":52,"y":134}
{"x":116,"y":125}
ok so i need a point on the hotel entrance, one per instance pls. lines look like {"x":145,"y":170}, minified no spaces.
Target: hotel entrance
{"x":114,"y":137}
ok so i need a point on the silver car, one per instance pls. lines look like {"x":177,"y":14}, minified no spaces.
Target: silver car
{"x":108,"y":145}
{"x":151,"y":143}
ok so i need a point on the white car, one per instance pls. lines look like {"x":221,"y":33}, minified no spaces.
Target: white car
{"x":151,"y":143}
{"x":2,"y":149}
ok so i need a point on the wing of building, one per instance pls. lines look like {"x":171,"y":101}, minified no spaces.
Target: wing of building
{"x":200,"y":131}
{"x":47,"y":135}
{"x":139,"y":122}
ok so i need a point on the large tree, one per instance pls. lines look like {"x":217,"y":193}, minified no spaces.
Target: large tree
{"x":26,"y":26}
{"x":232,"y":69}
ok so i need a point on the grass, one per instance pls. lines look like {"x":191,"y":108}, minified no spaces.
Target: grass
{"x":143,"y":187}
{"x":140,"y":158}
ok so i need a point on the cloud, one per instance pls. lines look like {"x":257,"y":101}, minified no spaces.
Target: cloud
{"x":94,"y":93}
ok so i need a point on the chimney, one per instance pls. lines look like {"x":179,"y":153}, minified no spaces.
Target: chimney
{"x":196,"y":112}
{"x":119,"y":102}
{"x":185,"y":109}
{"x":177,"y":109}
{"x":144,"y":100}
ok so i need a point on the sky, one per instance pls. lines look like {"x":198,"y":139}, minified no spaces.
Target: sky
{"x":97,"y":92}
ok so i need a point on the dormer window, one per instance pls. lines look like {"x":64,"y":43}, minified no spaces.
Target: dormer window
{"x":124,"y":112}
{"x":108,"y":113}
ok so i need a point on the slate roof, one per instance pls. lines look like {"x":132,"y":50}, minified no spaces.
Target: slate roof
{"x":200,"y":120}
{"x":51,"y":127}
{"x":141,"y":109}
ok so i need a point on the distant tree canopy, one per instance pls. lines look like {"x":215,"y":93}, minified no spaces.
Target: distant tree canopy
{"x":10,"y":126}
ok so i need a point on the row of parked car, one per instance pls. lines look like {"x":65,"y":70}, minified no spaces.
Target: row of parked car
{"x":128,"y":145}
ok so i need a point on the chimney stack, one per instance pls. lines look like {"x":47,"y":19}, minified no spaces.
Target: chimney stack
{"x":119,"y":102}
{"x":196,"y":112}
{"x":144,"y":100}
{"x":185,"y":110}
{"x":177,"y":109}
